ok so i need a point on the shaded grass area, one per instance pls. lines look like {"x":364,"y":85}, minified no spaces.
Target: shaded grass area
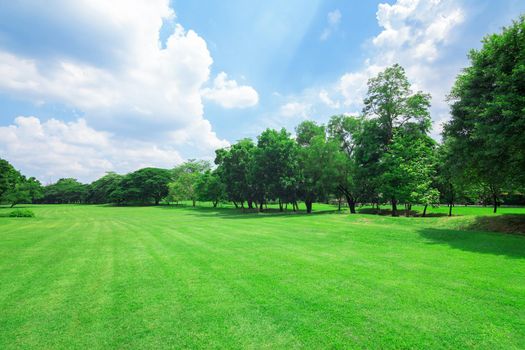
{"x":183,"y":277}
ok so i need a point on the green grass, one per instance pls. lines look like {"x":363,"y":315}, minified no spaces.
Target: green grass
{"x":91,"y":277}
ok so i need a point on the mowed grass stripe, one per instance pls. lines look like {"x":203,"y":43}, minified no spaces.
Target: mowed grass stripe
{"x":108,"y":277}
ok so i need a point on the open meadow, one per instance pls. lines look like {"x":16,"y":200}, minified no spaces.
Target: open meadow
{"x":88,"y":277}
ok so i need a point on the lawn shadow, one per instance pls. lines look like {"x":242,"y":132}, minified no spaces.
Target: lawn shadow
{"x":512,"y":246}
{"x":238,"y":213}
{"x":505,"y":223}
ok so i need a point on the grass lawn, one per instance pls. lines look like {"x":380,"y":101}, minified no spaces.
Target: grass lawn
{"x":91,"y":277}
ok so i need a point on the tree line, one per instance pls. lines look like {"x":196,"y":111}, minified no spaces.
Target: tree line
{"x":385,"y":156}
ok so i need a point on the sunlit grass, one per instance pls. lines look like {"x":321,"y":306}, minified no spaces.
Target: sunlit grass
{"x":183,"y":277}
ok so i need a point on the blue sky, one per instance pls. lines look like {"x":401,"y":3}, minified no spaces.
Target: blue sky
{"x":95,"y":86}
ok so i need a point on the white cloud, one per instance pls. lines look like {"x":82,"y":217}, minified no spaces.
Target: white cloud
{"x":333,"y":18}
{"x":150,"y":89}
{"x":54,"y":149}
{"x":229,"y":94}
{"x":295,"y":110}
{"x":325,"y":98}
{"x":415,"y":34}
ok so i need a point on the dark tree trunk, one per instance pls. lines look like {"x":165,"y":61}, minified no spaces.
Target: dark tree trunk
{"x":394,"y":207}
{"x":339,"y":200}
{"x":351,"y":202}
{"x":236,"y":205}
{"x":261,"y":208}
{"x":215,"y":204}
{"x":193,"y":202}
{"x":450,"y":209}
{"x":425,"y":210}
{"x":12,"y":205}
{"x":295,"y":207}
{"x":250,"y":204}
{"x":280,"y":205}
{"x":495,"y":203}
{"x":308,"y":204}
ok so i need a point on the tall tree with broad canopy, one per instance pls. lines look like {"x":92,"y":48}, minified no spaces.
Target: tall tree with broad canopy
{"x":488,"y":112}
{"x":209,"y":187}
{"x":394,"y":107}
{"x":235,"y":166}
{"x":320,"y":159}
{"x":346,"y":130}
{"x":145,"y":185}
{"x":276,"y":167}
{"x":101,"y":190}
{"x":9,"y":177}
{"x":185,"y":179}
{"x":65,"y":191}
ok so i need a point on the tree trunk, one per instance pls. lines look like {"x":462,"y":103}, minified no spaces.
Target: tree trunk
{"x":351,"y":202}
{"x":394,"y":207}
{"x":425,"y":210}
{"x":12,"y":205}
{"x":250,"y":204}
{"x":215,"y":204}
{"x":339,"y":200}
{"x":193,"y":202}
{"x":280,"y":205}
{"x":308,"y":206}
{"x":450,"y":209}
{"x":236,"y":205}
{"x":495,"y":203}
{"x":261,"y":206}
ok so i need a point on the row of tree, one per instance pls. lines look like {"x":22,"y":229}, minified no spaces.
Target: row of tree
{"x":385,"y":155}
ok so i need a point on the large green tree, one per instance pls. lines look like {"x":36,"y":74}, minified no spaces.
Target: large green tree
{"x":394,"y":111}
{"x":318,"y":160}
{"x":488,"y":112}
{"x":276,"y":168}
{"x":145,"y":185}
{"x":235,"y":166}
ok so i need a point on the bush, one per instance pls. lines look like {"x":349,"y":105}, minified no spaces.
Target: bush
{"x":21,"y":213}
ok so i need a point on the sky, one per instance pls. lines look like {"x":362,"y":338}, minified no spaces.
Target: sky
{"x":91,"y":86}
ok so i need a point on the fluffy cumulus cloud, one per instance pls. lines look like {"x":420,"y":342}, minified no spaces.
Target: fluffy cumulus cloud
{"x":113,"y":67}
{"x":414,"y":33}
{"x":56,"y":149}
{"x":229,"y":94}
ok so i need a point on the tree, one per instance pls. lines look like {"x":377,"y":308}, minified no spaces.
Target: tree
{"x":276,"y":168}
{"x":101,"y":190}
{"x":318,"y":160}
{"x":394,"y":109}
{"x":18,"y":194}
{"x":235,"y":166}
{"x":346,"y":130}
{"x":409,"y":171}
{"x":144,"y":185}
{"x":67,"y":190}
{"x":185,"y":178}
{"x":209,"y":187}
{"x":9,"y":177}
{"x":487,"y":107}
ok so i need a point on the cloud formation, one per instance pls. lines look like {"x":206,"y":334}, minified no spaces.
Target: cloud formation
{"x":129,"y":82}
{"x":229,"y":94}
{"x":55,"y":149}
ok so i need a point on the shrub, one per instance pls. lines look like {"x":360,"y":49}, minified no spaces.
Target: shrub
{"x":21,"y":213}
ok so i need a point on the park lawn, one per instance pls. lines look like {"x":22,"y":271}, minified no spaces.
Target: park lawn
{"x":91,"y":277}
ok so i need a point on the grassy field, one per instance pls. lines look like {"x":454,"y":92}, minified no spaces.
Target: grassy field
{"x":91,"y":277}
